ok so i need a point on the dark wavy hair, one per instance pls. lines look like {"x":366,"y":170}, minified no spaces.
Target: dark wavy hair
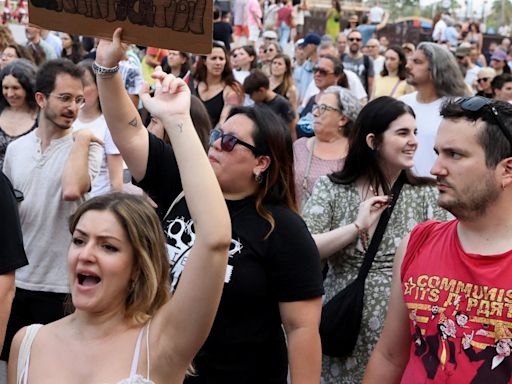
{"x":227,"y":73}
{"x":272,"y":137}
{"x":402,"y":62}
{"x":184,"y":68}
{"x":25,"y":72}
{"x":77,"y":51}
{"x":361,"y":160}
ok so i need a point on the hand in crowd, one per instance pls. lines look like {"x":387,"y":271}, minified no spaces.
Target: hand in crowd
{"x":370,"y":211}
{"x":86,"y":136}
{"x":172,"y":96}
{"x":110,"y":53}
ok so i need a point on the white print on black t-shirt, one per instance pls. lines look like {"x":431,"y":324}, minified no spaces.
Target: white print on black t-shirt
{"x":181,"y":236}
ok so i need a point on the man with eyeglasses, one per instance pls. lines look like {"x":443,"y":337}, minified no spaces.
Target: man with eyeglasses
{"x":458,"y":266}
{"x":54,"y":170}
{"x":357,"y":62}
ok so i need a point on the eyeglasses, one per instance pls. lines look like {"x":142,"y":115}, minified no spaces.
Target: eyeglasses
{"x":321,"y":108}
{"x":354,"y":39}
{"x":321,"y":71}
{"x":66,"y":98}
{"x":228,"y":141}
{"x":476,"y":103}
{"x":481,"y":80}
{"x":371,"y":46}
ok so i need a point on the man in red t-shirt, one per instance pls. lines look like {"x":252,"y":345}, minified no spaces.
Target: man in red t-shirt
{"x":450,"y":312}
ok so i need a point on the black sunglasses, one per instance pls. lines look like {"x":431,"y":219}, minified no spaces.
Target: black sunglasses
{"x":476,"y":103}
{"x":228,"y":141}
{"x":482,"y":79}
{"x":354,"y":39}
{"x":321,"y":71}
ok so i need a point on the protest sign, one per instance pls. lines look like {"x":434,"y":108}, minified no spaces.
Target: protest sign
{"x":184,"y":25}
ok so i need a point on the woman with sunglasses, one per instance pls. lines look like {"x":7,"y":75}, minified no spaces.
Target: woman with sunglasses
{"x":344,"y":209}
{"x":328,"y":71}
{"x":324,"y":153}
{"x":391,"y":81}
{"x":281,"y":79}
{"x":18,"y":107}
{"x":125,"y":327}
{"x":273,"y":278}
{"x":272,"y":49}
{"x":484,"y":82}
{"x":215,"y":84}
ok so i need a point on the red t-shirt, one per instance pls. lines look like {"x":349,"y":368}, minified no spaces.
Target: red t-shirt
{"x":460,"y":306}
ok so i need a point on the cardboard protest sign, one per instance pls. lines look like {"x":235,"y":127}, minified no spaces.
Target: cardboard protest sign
{"x":184,"y":25}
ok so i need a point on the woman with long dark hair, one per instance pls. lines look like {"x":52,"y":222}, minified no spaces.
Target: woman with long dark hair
{"x":72,"y":47}
{"x":178,"y":63}
{"x":18,"y":107}
{"x":344,"y":209}
{"x":273,"y":283}
{"x":391,"y":81}
{"x":281,"y":79}
{"x":215,"y":84}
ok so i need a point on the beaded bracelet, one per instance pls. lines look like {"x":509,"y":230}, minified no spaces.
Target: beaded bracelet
{"x":363,"y":236}
{"x":104,"y":72}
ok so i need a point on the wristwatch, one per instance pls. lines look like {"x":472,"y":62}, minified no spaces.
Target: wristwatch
{"x":101,"y":70}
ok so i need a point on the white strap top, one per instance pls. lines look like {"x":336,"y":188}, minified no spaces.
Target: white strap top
{"x":134,"y":378}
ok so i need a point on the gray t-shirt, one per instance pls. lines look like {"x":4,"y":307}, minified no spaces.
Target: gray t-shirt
{"x":359,"y":68}
{"x":43,"y":213}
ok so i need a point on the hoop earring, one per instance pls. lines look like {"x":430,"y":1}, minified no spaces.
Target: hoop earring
{"x":258,"y":178}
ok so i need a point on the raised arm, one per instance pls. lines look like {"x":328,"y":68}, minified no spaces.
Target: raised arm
{"x":182,"y":325}
{"x":121,"y":115}
{"x":391,"y":353}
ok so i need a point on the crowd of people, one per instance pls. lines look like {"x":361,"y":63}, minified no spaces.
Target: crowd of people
{"x":210,"y":205}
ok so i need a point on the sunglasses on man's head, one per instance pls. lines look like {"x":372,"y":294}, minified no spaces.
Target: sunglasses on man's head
{"x":476,"y":103}
{"x":228,"y":142}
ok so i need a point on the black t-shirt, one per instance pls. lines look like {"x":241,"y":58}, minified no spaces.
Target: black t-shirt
{"x":282,"y":107}
{"x":222,"y":31}
{"x":12,"y":254}
{"x":246,"y":344}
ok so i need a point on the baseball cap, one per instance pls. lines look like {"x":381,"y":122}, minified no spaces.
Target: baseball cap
{"x":499,"y":55}
{"x":270,"y":35}
{"x":311,"y":38}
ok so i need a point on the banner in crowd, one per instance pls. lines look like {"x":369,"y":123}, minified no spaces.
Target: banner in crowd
{"x":184,"y":25}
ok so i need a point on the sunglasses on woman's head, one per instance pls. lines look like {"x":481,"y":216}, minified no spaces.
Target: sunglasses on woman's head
{"x":228,"y":141}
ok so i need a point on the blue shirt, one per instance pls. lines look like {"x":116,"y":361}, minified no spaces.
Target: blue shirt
{"x":366,"y":31}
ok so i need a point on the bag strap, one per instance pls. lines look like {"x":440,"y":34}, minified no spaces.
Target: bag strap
{"x":175,"y":201}
{"x":308,"y":164}
{"x":379,"y":231}
{"x":395,"y":87}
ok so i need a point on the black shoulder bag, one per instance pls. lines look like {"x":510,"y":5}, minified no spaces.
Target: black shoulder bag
{"x":342,"y":315}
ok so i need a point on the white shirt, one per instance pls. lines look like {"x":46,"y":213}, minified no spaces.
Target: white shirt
{"x":427,"y":123}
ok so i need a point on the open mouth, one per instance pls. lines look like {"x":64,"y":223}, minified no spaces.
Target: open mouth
{"x":87,"y":280}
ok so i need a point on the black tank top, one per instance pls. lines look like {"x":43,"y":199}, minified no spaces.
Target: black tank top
{"x":214,"y":106}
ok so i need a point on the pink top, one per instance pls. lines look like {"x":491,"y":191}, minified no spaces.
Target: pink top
{"x":319,"y":167}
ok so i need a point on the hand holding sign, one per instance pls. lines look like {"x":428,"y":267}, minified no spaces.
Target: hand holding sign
{"x":110,"y":53}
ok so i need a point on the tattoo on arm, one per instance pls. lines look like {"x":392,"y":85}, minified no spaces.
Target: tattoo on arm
{"x":179,"y":126}
{"x":133,"y":122}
